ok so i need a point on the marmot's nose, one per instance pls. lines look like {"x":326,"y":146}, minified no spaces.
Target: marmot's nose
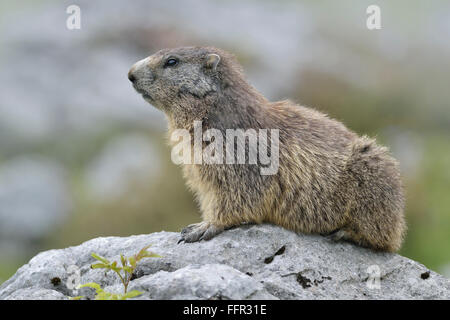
{"x":131,"y":76}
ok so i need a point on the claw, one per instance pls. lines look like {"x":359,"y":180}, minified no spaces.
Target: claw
{"x":336,"y":235}
{"x":199,"y":231}
{"x":181,"y":240}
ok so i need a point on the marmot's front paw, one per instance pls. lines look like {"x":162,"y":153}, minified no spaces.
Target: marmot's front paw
{"x":199,"y":231}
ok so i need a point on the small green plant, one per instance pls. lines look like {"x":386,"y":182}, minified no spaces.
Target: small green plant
{"x":125,"y":273}
{"x":101,"y":294}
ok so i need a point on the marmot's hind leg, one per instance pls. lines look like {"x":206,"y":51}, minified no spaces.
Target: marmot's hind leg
{"x":336,"y":235}
{"x":376,"y":215}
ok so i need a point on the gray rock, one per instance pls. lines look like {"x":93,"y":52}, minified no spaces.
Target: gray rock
{"x":249,"y":262}
{"x":36,"y":294}
{"x":209,"y":281}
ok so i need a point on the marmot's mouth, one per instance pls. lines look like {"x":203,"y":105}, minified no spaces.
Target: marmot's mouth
{"x":144,"y":94}
{"x":147,"y":96}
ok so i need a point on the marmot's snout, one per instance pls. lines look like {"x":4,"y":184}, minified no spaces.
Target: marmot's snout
{"x":138,"y":70}
{"x":131,"y":76}
{"x":141,"y":71}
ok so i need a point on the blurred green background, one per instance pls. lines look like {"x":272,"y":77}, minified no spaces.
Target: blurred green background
{"x":83,"y":156}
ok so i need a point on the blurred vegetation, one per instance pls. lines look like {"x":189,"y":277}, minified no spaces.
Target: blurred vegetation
{"x":145,"y":208}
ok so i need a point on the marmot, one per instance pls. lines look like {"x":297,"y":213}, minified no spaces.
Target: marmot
{"x":330,"y":181}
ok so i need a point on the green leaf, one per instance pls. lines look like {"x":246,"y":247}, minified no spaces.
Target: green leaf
{"x":148,"y":254}
{"x":103,"y":295}
{"x":99,"y":265}
{"x":131,"y":294}
{"x":114,"y":267}
{"x":100,"y":258}
{"x":76,"y":298}
{"x":94,"y":285}
{"x":123,"y":260}
{"x":139,"y":255}
{"x":128,"y":269}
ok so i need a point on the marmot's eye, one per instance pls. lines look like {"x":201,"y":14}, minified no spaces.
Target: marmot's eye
{"x":171,"y":62}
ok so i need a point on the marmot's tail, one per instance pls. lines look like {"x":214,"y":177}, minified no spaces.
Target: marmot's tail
{"x":376,"y":213}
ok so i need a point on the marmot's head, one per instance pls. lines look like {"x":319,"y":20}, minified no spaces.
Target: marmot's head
{"x":185,"y":80}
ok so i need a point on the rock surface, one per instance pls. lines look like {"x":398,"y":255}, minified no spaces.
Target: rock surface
{"x":249,"y":262}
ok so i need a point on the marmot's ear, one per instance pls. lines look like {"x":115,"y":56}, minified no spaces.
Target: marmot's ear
{"x":212,"y":60}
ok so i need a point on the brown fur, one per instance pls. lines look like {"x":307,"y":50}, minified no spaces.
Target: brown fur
{"x":330,"y":181}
